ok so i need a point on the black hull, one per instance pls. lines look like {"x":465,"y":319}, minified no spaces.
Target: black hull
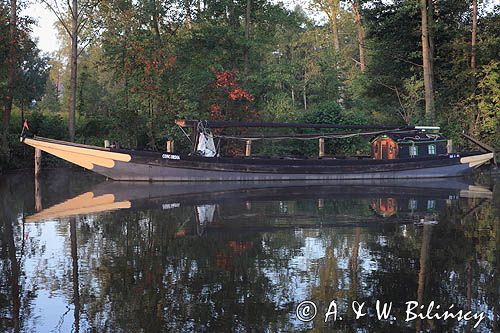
{"x":148,"y":167}
{"x":120,"y":164}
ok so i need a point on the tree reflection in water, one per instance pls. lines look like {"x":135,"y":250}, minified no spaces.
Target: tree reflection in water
{"x":243,"y":264}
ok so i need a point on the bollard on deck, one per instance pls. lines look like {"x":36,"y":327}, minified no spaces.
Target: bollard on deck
{"x":321,"y":147}
{"x":169,"y":146}
{"x":248,"y":148}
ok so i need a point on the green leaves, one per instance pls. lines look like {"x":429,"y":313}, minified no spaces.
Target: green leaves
{"x":484,"y":105}
{"x":149,"y":65}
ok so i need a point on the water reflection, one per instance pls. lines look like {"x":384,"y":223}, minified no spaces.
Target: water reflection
{"x":110,"y":256}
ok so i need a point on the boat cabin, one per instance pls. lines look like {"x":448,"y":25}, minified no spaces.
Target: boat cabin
{"x":408,"y":145}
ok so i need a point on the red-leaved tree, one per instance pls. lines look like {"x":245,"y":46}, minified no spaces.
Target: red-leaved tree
{"x":231,"y":101}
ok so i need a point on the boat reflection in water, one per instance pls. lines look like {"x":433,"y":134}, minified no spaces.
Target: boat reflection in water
{"x":123,"y":256}
{"x":261,"y":206}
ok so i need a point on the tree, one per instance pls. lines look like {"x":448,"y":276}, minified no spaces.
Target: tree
{"x":32,"y":77}
{"x":483,"y":107}
{"x":230,"y":101}
{"x":331,"y":9}
{"x":356,"y":8}
{"x":474,"y":33}
{"x":11,"y":72}
{"x":73,"y":17}
{"x":426,"y":60}
{"x":247,"y":35}
{"x":22,"y":69}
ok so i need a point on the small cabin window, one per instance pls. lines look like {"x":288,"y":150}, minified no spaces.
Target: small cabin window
{"x":413,"y":151}
{"x":431,"y":149}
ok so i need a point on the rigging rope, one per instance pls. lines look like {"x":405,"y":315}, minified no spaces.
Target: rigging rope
{"x":326,"y":136}
{"x":183,"y":131}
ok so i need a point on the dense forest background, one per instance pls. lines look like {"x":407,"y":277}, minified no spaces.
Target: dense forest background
{"x":127,"y":69}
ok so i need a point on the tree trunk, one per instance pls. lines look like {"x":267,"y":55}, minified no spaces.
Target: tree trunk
{"x":468,"y":293}
{"x":424,"y":266}
{"x":247,"y":35}
{"x":428,"y":84}
{"x":76,"y":283}
{"x":474,"y":33}
{"x":15,"y":276}
{"x":58,"y":85}
{"x":125,"y":77}
{"x":156,"y":25}
{"x":74,"y":63}
{"x":361,"y":37}
{"x":188,"y":15}
{"x":335,"y":33}
{"x":11,"y":71}
{"x":354,"y":263}
{"x":304,"y":96}
{"x":328,"y":275}
{"x":333,"y":11}
{"x":10,"y":276}
{"x":361,"y":34}
{"x":334,"y":8}
{"x":232,"y":17}
{"x":430,"y":13}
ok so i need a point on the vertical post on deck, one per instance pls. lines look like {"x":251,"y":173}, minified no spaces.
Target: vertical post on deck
{"x":449,"y":146}
{"x":170,"y":146}
{"x":321,"y":147}
{"x":248,"y":148}
{"x":194,"y":139}
{"x":38,"y":161}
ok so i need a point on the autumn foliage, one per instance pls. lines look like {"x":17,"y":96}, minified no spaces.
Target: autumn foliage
{"x":149,"y":64}
{"x":231,"y":101}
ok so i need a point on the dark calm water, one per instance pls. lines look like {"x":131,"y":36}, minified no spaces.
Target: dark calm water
{"x":84,"y":255}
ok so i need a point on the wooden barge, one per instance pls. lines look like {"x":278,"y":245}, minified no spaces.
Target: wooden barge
{"x":397,"y":152}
